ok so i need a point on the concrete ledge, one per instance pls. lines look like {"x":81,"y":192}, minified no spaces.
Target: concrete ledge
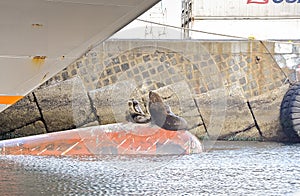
{"x":33,"y":129}
{"x":224,"y":115}
{"x":266,"y":109}
{"x":22,"y":113}
{"x":102,"y":103}
{"x":65,"y":105}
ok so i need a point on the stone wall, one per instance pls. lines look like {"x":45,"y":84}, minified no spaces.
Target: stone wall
{"x":226,"y":90}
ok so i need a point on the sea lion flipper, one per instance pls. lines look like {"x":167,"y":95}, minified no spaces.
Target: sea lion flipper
{"x":175,"y":123}
{"x":142,"y":119}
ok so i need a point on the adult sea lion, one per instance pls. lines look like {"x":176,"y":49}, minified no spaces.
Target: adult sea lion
{"x":136,"y":114}
{"x":162,"y":116}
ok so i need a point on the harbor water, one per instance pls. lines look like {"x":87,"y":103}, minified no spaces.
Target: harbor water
{"x":228,"y":168}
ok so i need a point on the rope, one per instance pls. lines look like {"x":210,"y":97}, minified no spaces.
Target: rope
{"x":199,"y":31}
{"x":218,"y":34}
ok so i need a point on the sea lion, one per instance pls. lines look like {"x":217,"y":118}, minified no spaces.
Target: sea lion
{"x":136,"y":114}
{"x":162,"y":116}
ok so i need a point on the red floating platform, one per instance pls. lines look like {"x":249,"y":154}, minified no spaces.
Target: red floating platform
{"x":118,"y":139}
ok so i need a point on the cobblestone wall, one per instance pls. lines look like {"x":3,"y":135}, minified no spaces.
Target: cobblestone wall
{"x":204,"y":65}
{"x":218,"y":76}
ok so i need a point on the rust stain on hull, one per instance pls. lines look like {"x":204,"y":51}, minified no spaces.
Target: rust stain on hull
{"x":38,"y":60}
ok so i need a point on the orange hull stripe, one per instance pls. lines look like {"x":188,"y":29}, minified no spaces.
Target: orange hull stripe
{"x":9,"y":99}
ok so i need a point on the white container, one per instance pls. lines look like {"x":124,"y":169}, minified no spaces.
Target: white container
{"x":246,"y":9}
{"x":258,"y":19}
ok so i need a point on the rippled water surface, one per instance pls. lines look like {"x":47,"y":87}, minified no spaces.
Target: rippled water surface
{"x":230,"y":168}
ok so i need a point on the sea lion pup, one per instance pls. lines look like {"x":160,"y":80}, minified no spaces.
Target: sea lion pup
{"x":136,"y":114}
{"x":162,"y":116}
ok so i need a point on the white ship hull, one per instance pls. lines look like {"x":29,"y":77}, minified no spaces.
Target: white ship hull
{"x":39,"y":38}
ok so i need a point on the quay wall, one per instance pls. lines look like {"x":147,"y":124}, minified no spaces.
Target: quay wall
{"x":229,"y":90}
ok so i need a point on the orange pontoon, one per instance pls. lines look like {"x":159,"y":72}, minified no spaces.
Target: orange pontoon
{"x":121,"y":138}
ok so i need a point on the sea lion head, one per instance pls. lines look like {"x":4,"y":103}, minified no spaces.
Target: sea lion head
{"x":154,"y":97}
{"x":157,"y":109}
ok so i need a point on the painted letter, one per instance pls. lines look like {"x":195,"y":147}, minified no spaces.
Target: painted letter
{"x":258,"y":1}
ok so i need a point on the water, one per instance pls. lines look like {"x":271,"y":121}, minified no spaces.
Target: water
{"x":230,"y":168}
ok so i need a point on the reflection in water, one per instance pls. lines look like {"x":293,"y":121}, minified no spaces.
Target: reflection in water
{"x":230,"y":168}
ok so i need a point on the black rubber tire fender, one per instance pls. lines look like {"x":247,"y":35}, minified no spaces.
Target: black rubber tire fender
{"x":290,"y":112}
